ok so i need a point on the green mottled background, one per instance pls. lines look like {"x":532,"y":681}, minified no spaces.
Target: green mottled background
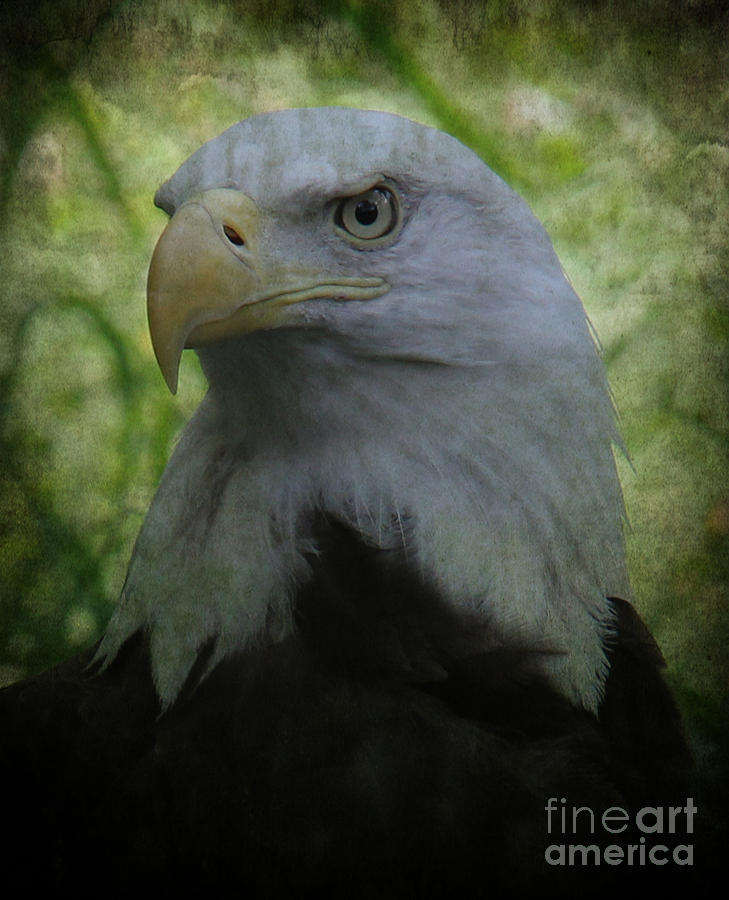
{"x":611,"y":118}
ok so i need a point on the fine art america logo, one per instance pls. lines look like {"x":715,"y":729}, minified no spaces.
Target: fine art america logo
{"x":654,"y":832}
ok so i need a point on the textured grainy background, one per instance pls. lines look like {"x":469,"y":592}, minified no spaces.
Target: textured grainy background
{"x":612,"y":120}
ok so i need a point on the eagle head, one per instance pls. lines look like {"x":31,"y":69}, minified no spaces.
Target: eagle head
{"x":390,"y":341}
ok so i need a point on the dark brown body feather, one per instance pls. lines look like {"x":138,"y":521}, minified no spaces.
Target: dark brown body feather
{"x":379,"y":752}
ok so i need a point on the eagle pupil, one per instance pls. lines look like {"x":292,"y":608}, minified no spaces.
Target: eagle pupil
{"x":365,"y":212}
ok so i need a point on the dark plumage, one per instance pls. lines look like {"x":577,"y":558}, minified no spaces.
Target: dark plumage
{"x":374,"y":753}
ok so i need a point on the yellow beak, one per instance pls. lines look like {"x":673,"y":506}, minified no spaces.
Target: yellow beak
{"x":206,"y":280}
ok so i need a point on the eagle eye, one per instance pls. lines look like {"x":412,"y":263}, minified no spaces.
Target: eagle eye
{"x":370,"y":215}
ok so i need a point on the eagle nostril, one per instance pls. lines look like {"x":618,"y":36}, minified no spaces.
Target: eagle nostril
{"x":233,"y":236}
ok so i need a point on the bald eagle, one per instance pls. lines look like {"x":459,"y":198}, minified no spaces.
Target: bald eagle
{"x":378,"y":613}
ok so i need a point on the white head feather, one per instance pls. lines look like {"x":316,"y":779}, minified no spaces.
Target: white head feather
{"x":468,"y":401}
